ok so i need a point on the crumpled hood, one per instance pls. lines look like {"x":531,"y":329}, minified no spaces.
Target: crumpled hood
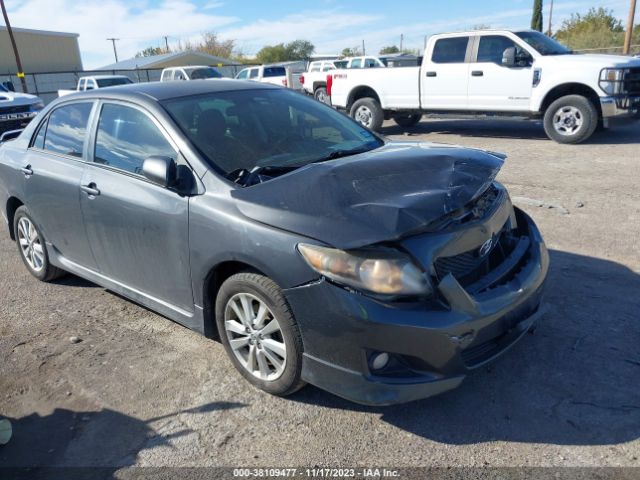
{"x":376,"y":196}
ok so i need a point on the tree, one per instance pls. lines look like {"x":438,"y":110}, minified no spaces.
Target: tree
{"x":351,"y":52}
{"x":151,"y":51}
{"x":481,"y":26}
{"x":292,"y":51}
{"x":388,"y":50}
{"x":211,"y":44}
{"x":536,"y":17}
{"x":598,"y":28}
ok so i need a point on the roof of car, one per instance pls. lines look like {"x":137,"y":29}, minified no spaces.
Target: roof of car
{"x":165,"y":90}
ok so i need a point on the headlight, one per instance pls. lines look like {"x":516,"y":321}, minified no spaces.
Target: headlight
{"x":389,"y":273}
{"x":36,"y":107}
{"x":611,"y":80}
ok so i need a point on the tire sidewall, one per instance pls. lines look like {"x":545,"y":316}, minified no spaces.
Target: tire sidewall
{"x":377,"y":114}
{"x":408,"y":120}
{"x":289,"y":381}
{"x":23,"y":212}
{"x":589,"y":115}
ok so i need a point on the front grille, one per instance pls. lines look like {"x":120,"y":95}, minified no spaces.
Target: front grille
{"x":471,"y":266}
{"x":9,"y":125}
{"x":632,"y":81}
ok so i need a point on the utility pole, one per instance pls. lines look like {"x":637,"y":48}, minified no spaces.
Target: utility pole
{"x":401,"y":39}
{"x":629,"y":32}
{"x":20,"y":73}
{"x":550,"y":16}
{"x":115,"y":52}
{"x":364,"y":52}
{"x":166,"y":43}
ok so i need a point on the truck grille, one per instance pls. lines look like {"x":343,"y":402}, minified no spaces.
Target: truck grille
{"x":9,"y":125}
{"x":632,"y":81}
{"x":15,"y":109}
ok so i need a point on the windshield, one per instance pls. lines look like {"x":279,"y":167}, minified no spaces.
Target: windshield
{"x":543,"y":44}
{"x":112,"y":82}
{"x":202,"y":73}
{"x":266,"y":128}
{"x":274,"y":72}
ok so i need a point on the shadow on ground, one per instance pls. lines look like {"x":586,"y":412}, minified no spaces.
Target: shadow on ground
{"x":511,"y":129}
{"x":95,"y":443}
{"x":573,"y":382}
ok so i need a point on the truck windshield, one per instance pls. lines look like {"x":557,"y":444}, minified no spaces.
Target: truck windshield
{"x":112,"y":82}
{"x":202,"y":73}
{"x":543,"y":44}
{"x":266,"y":129}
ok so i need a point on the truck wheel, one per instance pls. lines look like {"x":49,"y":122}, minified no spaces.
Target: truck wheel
{"x":408,"y":120}
{"x":259,"y":333}
{"x":368,"y":112}
{"x":320,"y":94}
{"x":571,"y":119}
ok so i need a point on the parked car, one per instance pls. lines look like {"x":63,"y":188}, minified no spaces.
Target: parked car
{"x":519,"y":73}
{"x":276,"y":75}
{"x":96,"y":81}
{"x":200,"y":72}
{"x":16,"y":111}
{"x":314,"y":80}
{"x":364,"y":62}
{"x":317,"y":251}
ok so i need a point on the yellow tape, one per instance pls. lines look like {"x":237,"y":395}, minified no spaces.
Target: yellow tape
{"x":20,"y":74}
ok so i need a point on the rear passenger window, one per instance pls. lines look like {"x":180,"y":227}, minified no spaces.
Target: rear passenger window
{"x":253,"y":73}
{"x":126,"y":137}
{"x":450,"y":50}
{"x":67,"y":128}
{"x":356,"y":63}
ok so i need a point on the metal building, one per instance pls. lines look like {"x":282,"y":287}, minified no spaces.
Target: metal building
{"x":40,"y":51}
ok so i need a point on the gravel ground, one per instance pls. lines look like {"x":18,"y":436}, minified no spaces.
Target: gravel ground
{"x":141,"y":390}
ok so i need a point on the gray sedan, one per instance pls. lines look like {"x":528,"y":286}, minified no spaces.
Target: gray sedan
{"x":314,"y":249}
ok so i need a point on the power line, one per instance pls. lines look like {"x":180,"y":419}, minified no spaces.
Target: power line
{"x":15,"y":48}
{"x":115,"y":51}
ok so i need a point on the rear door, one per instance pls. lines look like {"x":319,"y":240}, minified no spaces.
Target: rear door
{"x":138,"y":230}
{"x":493,"y":86}
{"x":53,"y":169}
{"x":445,"y":75}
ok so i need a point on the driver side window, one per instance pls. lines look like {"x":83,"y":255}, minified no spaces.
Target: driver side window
{"x":491,"y":48}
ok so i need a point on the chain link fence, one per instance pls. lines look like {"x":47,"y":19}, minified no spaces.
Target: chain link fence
{"x":46,"y":85}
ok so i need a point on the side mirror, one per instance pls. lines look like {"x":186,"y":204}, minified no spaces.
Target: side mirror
{"x":160,"y":170}
{"x":509,"y":57}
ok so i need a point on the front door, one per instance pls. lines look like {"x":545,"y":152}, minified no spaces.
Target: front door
{"x":495,"y":87}
{"x":53,"y":169}
{"x":445,"y":76}
{"x":137,"y":229}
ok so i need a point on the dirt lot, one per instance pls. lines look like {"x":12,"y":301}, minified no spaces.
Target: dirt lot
{"x":141,"y":390}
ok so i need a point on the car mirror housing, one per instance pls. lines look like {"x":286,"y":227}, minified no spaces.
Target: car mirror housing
{"x":509,"y":57}
{"x":160,"y":170}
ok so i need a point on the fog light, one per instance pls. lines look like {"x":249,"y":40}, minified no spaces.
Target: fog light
{"x":379,"y":360}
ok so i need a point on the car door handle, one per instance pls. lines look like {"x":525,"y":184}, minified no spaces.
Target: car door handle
{"x":432,"y":74}
{"x":477,"y":73}
{"x":90,"y":190}
{"x":27,"y":171}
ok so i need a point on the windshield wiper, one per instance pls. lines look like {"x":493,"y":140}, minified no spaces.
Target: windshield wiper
{"x":341,"y":153}
{"x":258,"y":174}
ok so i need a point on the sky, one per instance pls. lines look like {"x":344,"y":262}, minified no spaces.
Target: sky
{"x":330,"y":25}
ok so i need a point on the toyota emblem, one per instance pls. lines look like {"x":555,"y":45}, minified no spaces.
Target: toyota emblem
{"x":485,"y":248}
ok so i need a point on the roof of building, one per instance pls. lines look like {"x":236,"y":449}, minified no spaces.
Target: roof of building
{"x":40,"y":32}
{"x":158,"y":60}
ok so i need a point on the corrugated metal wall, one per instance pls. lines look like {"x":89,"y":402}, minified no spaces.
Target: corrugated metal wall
{"x":39,"y":52}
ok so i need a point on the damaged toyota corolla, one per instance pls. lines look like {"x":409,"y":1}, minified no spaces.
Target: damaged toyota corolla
{"x":316,"y":251}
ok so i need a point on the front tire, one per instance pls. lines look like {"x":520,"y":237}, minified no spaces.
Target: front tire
{"x":368,"y":112}
{"x":259,"y":333}
{"x":407,"y":121}
{"x":571,"y":119}
{"x":31,"y":244}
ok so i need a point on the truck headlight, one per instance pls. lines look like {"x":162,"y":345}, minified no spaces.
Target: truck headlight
{"x":611,"y":80}
{"x":36,"y":107}
{"x":383,"y":272}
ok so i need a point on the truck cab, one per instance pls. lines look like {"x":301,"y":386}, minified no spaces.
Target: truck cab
{"x":520,"y":73}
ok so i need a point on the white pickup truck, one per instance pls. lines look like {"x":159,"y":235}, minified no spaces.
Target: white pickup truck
{"x":16,"y":111}
{"x":96,"y":81}
{"x":498,"y":73}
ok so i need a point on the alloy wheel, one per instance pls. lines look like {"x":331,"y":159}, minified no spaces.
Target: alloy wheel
{"x":567,"y":120}
{"x":30,"y":244}
{"x":364,"y":115}
{"x":255,"y":336}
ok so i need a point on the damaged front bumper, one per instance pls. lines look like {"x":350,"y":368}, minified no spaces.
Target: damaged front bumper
{"x":432,"y":345}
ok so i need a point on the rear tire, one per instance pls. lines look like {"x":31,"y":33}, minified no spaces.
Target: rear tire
{"x":368,"y":113}
{"x":320,"y":94}
{"x":408,"y":120}
{"x":267,"y":354}
{"x":32,"y":247}
{"x":571,"y":119}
